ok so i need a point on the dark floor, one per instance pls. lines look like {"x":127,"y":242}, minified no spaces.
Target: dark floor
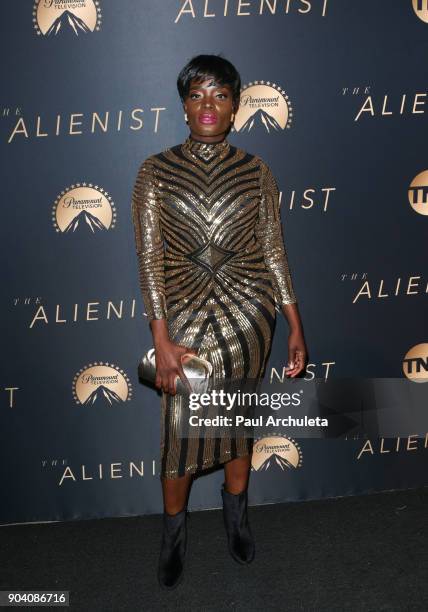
{"x":367,"y":553}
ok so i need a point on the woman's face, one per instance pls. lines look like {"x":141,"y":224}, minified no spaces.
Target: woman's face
{"x":209,"y":107}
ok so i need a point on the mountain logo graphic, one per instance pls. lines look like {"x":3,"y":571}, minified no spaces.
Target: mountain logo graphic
{"x":54,"y":18}
{"x":68,"y":19}
{"x":276,"y":453}
{"x":261,"y":119}
{"x":102,"y":395}
{"x":415,"y":363}
{"x":421,"y":9}
{"x":264,"y":107}
{"x":83,"y":208}
{"x":101,"y":384}
{"x":418,"y":193}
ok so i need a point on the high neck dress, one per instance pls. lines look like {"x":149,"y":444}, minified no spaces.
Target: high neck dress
{"x":212,"y":262}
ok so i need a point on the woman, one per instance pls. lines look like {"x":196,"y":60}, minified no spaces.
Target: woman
{"x":213,"y":273}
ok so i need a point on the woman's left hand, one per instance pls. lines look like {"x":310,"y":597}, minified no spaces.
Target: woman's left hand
{"x":297,"y":354}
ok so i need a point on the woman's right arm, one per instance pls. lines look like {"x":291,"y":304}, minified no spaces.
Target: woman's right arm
{"x":150,"y":257}
{"x":149,"y":242}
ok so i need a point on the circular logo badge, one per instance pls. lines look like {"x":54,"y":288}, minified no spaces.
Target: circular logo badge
{"x":421,"y":9}
{"x":60,"y":17}
{"x":83,"y":208}
{"x":415,"y":363}
{"x":265,"y":107}
{"x":101,"y":384}
{"x":418,"y":193}
{"x":276,"y":452}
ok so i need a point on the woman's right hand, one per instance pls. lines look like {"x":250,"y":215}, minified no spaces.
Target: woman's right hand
{"x":168,"y":365}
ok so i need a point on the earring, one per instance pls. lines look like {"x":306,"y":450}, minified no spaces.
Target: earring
{"x":185,"y":118}
{"x":232,"y":119}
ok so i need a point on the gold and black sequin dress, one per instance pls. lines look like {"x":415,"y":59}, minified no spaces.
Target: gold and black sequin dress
{"x":211,"y":261}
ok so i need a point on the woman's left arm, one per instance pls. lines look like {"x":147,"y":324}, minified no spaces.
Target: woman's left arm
{"x":270,"y":235}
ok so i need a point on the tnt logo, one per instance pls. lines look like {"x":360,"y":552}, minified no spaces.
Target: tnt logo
{"x":421,"y":9}
{"x":415,"y":363}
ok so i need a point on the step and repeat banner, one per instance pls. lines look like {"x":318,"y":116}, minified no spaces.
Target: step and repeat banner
{"x":334,"y":99}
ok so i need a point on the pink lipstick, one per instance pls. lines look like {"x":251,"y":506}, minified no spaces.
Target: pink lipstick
{"x":208,"y":118}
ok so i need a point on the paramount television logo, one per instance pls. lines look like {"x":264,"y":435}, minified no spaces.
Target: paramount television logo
{"x":276,"y":453}
{"x":83,"y":207}
{"x":53,"y":18}
{"x":264,"y":107}
{"x":101,"y":384}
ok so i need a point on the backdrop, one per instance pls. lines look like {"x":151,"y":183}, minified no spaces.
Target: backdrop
{"x":335,"y":101}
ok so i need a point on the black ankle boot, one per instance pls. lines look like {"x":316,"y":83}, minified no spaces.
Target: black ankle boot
{"x":173,"y":549}
{"x":239,"y":536}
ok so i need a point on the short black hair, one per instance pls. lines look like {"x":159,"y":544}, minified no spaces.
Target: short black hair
{"x":201,"y":67}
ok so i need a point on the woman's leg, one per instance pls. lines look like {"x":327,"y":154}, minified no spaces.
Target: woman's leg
{"x":237,"y":473}
{"x":174,"y":536}
{"x":175,"y":493}
{"x":235,"y":499}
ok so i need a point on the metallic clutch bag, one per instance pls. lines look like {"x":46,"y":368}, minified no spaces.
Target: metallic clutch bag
{"x":196,"y":369}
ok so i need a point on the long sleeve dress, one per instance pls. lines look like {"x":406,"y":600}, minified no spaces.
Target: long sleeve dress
{"x":212,"y":262}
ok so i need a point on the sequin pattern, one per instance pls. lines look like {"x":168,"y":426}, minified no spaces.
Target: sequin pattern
{"x":212,"y":262}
